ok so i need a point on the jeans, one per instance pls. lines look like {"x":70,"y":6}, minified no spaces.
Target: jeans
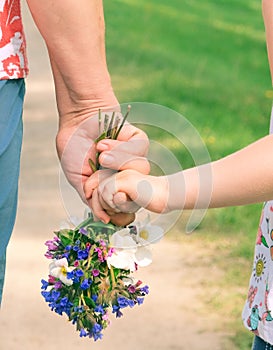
{"x":260,"y":344}
{"x":11,"y":129}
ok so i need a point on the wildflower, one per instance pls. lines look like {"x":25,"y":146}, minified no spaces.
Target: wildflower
{"x":90,"y":274}
{"x":131,"y":289}
{"x":82,"y":254}
{"x":45,"y":284}
{"x":147,"y":233}
{"x":83,"y":332}
{"x":129,"y":250}
{"x":52,"y":245}
{"x":86,"y":284}
{"x":83,"y":231}
{"x":145,"y":289}
{"x":95,"y":272}
{"x":59,"y":269}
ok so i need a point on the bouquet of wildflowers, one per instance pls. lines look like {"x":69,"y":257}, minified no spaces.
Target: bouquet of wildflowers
{"x":90,"y":273}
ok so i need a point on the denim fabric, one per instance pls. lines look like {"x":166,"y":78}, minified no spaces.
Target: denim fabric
{"x":11,"y":130}
{"x":260,"y":344}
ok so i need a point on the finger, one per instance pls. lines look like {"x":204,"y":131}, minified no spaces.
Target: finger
{"x":124,"y":203}
{"x":94,"y":180}
{"x":109,"y":210}
{"x":122,"y":160}
{"x":130,"y":140}
{"x":97,"y":209}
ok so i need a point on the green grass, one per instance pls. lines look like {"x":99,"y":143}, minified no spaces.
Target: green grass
{"x":207,"y":61}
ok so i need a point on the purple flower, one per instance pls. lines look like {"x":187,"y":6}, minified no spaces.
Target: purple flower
{"x":58,"y":285}
{"x":51,"y":245}
{"x":95,"y":272}
{"x":83,"y":231}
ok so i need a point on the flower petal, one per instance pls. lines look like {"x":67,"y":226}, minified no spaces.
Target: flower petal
{"x":143,"y":256}
{"x":122,"y":260}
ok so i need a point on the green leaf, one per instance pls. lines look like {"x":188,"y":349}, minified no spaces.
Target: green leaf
{"x":89,"y":302}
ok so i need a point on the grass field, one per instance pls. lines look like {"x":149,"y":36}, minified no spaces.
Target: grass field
{"x":206,"y":60}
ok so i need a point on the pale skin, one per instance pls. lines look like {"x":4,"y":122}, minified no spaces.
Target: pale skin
{"x":74,"y":32}
{"x":242,"y":178}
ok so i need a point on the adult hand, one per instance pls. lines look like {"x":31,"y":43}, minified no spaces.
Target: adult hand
{"x":75,"y":145}
{"x":128,"y":152}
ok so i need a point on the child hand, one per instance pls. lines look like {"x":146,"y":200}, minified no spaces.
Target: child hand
{"x":146,"y":191}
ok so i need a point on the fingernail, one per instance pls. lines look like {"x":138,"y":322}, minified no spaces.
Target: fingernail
{"x":107,"y":159}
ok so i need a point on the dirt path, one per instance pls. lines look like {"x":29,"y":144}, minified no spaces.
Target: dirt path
{"x":170,"y":318}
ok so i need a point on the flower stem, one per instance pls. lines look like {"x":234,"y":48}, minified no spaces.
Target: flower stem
{"x":113,"y":279}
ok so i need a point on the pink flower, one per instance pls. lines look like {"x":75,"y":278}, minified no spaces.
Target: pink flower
{"x":51,"y":279}
{"x":95,"y":272}
{"x":48,"y":255}
{"x":51,"y":244}
{"x":131,"y":289}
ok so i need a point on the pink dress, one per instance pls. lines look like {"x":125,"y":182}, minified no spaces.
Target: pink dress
{"x":13,"y":61}
{"x":258,"y":310}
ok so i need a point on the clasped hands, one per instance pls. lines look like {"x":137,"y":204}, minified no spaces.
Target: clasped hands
{"x":75,"y":145}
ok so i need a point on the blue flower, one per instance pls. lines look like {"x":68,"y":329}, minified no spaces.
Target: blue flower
{"x":76,"y":248}
{"x":122,"y":302}
{"x":140,"y":301}
{"x":83,"y":332}
{"x":100,"y":309}
{"x":145,"y":289}
{"x":79,"y":273}
{"x":68,"y":247}
{"x":45,"y":284}
{"x":46,"y":295}
{"x":116,"y":310}
{"x":94,"y":297}
{"x":97,"y":328}
{"x":82,"y":254}
{"x":55,"y":295}
{"x":70,"y":275}
{"x":96,"y":331}
{"x":86,"y":284}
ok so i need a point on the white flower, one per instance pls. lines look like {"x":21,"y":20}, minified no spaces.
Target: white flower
{"x":59,"y":268}
{"x":131,"y":249}
{"x":125,"y":249}
{"x":148,"y":233}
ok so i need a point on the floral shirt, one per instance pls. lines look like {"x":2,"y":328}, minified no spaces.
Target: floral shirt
{"x":258,"y":310}
{"x":13,"y":62}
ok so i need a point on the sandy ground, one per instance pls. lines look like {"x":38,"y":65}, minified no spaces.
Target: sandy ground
{"x":170,"y":318}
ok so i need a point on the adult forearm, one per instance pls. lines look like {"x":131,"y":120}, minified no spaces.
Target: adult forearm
{"x":74,"y":33}
{"x":244,"y":177}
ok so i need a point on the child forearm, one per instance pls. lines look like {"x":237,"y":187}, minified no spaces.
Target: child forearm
{"x":244,"y":177}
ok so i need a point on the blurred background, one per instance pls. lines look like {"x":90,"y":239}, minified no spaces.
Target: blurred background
{"x":207,"y":61}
